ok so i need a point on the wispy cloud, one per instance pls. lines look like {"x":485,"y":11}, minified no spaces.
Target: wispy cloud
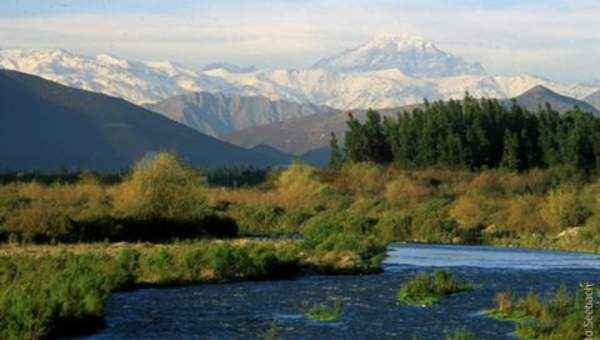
{"x":557,"y":39}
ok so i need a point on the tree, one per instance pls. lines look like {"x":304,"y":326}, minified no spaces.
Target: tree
{"x":378,"y":149}
{"x":510,"y":156}
{"x":356,"y":142}
{"x":335,"y":158}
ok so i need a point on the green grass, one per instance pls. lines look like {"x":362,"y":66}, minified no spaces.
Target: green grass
{"x":461,"y":334}
{"x":323,"y":313}
{"x":425,"y":290}
{"x":518,"y":316}
{"x":555,"y":315}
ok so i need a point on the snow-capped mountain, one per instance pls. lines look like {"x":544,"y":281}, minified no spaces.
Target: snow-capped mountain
{"x":413,"y":55}
{"x":135,"y":81}
{"x":388,"y":71}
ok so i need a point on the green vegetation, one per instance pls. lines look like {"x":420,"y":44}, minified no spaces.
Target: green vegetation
{"x":272,"y":333}
{"x":323,"y":313}
{"x":477,"y":134}
{"x":461,"y":334}
{"x":425,"y":290}
{"x":45,"y":288}
{"x":557,"y":315}
{"x":429,"y":177}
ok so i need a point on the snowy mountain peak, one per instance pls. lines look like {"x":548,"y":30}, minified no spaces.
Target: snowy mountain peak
{"x":112,"y":60}
{"x":413,"y":55}
{"x":399,"y":42}
{"x":229,"y":68}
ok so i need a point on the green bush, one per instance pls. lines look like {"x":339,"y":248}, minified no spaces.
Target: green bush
{"x":425,"y":290}
{"x":394,"y":227}
{"x":256,"y":219}
{"x":323,"y":313}
{"x":318,"y":228}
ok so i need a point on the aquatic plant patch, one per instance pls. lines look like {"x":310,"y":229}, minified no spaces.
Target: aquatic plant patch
{"x":426,"y":289}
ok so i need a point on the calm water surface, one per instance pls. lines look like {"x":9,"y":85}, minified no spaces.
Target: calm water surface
{"x":247,"y":310}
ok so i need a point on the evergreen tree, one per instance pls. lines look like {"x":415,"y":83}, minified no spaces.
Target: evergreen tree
{"x":510,"y":156}
{"x":356,"y":143}
{"x":477,"y":133}
{"x":335,"y":158}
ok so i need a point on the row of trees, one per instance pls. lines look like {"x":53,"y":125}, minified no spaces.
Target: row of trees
{"x":474,"y":133}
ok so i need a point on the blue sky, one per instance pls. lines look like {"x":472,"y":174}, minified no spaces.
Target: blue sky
{"x":557,"y":39}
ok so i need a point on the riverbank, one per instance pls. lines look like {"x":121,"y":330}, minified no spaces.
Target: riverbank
{"x":53,"y":291}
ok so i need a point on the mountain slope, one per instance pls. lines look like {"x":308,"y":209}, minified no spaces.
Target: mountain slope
{"x":412,"y":55}
{"x":301,"y":135}
{"x":539,"y":95}
{"x":217,"y":113}
{"x":594,"y":99}
{"x":44,"y":125}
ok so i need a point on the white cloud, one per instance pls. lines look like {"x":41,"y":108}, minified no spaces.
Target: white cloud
{"x":558,"y":40}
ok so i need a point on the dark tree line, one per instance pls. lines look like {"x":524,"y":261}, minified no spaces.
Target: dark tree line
{"x":476,"y":133}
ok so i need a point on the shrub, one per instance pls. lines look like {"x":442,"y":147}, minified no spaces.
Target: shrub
{"x":425,"y":290}
{"x":324,"y":313}
{"x":256,"y":219}
{"x":562,"y":209}
{"x":162,"y":188}
{"x":44,"y":213}
{"x":394,"y":227}
{"x":318,"y":228}
{"x":299,"y":187}
{"x":487,"y":183}
{"x":522,"y":216}
{"x":361,"y":179}
{"x":403,"y":189}
{"x":557,"y":316}
{"x":471,"y":211}
{"x":431,"y":222}
{"x":503,"y":301}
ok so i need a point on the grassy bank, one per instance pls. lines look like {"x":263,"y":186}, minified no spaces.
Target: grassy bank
{"x":50,"y":291}
{"x":553,"y":315}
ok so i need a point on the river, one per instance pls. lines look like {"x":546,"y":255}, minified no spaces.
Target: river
{"x":246,"y":310}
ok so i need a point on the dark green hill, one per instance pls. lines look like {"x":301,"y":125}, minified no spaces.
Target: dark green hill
{"x":47,"y":126}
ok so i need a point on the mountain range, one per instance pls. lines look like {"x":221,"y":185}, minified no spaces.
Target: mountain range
{"x":388,"y":71}
{"x":215,"y":113}
{"x":48,"y":126}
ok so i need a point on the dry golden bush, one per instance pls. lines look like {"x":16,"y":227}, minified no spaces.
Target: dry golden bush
{"x":534,"y":181}
{"x":162,"y":187}
{"x":469,"y":211}
{"x":299,"y":187}
{"x":503,"y":301}
{"x":362,"y":179}
{"x":522,"y":215}
{"x":562,"y":208}
{"x":249,"y":196}
{"x":47,"y":211}
{"x":404,"y":189}
{"x":487,"y":183}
